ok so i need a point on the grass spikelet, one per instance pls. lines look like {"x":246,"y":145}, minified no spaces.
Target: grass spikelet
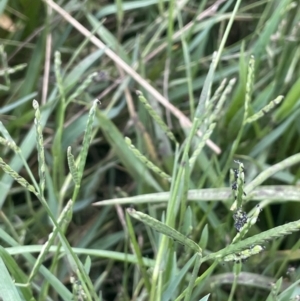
{"x":62,"y":222}
{"x":155,"y":116}
{"x":82,"y":87}
{"x":201,"y":144}
{"x":8,"y":170}
{"x":84,"y":150}
{"x":249,"y":86}
{"x":212,"y":111}
{"x":245,"y":254}
{"x":5,"y":69}
{"x":250,"y":222}
{"x":11,"y":144}
{"x":40,"y":146}
{"x":147,"y":162}
{"x":164,"y":229}
{"x":87,"y":137}
{"x":260,"y":238}
{"x":12,"y":70}
{"x":265,"y":110}
{"x":238,"y":185}
{"x":217,"y":94}
{"x":8,"y":140}
{"x":59,"y":80}
{"x":77,"y":290}
{"x":72,"y":166}
{"x":224,"y":96}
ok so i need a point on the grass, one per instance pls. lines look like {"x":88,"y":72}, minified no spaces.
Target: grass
{"x":149,"y":150}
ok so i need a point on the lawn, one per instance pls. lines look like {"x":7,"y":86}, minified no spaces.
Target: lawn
{"x":149,"y":150}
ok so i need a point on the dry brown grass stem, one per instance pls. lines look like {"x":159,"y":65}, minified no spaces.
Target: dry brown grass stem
{"x":184,"y":121}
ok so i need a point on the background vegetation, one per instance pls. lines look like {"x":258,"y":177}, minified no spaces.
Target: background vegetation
{"x":174,"y":55}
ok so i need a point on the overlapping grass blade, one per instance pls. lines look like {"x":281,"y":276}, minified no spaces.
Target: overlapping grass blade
{"x":138,"y":253}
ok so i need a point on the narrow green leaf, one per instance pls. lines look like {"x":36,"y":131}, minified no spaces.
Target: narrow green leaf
{"x":8,"y":290}
{"x":138,"y":253}
{"x":204,"y":237}
{"x":192,"y":280}
{"x":169,"y":292}
{"x":87,"y":265}
{"x":17,"y":274}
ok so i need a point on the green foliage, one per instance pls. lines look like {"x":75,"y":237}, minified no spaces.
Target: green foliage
{"x":184,"y":113}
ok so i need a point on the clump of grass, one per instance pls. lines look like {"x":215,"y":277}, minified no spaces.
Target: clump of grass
{"x":61,"y":223}
{"x":239,"y":250}
{"x":207,"y":75}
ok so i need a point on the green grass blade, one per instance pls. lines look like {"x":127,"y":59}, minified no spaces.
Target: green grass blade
{"x":138,"y":253}
{"x":8,"y":290}
{"x":177,"y":278}
{"x":290,"y":161}
{"x":270,"y":192}
{"x":188,"y":70}
{"x":85,"y":146}
{"x":195,"y":272}
{"x":17,"y":274}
